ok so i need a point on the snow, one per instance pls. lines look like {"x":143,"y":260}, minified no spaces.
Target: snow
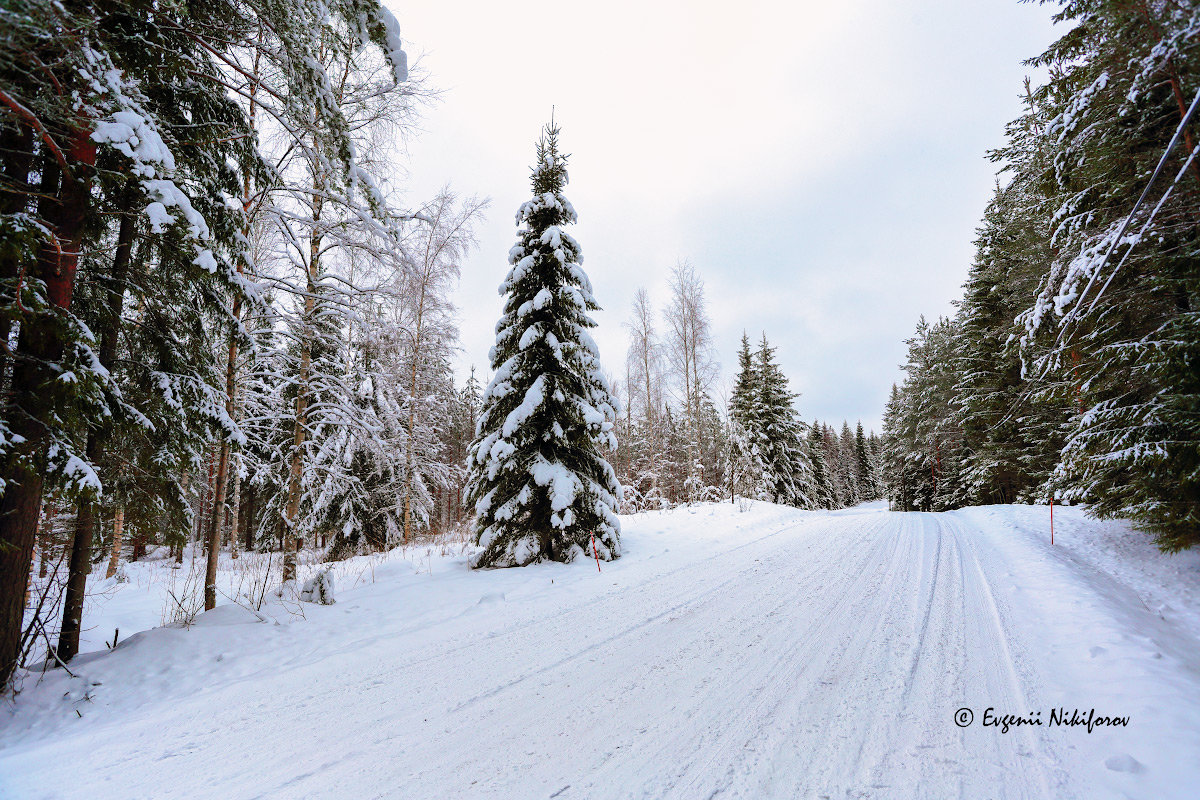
{"x":535,"y":395}
{"x":160,"y":218}
{"x":773,"y":653}
{"x":171,"y":196}
{"x":136,"y":137}
{"x":564,"y":484}
{"x":393,"y":50}
{"x":319,"y":589}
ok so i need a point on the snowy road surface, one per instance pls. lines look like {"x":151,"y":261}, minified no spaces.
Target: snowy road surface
{"x":773,"y":654}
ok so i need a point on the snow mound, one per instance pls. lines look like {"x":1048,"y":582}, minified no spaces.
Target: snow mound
{"x":319,"y":589}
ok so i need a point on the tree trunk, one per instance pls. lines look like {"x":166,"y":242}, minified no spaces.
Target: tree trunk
{"x":81,"y":545}
{"x":184,"y":479}
{"x":235,"y":513}
{"x":77,"y":572}
{"x":412,"y":422}
{"x":213,"y":542}
{"x":249,"y":514}
{"x":46,"y":535}
{"x":292,"y":510}
{"x":29,"y":406}
{"x":17,"y":147}
{"x":118,"y":527}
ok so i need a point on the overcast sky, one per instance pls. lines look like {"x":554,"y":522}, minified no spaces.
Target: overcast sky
{"x":821,"y":164}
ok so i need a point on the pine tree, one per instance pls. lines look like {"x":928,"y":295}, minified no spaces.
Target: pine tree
{"x":538,"y":479}
{"x":864,"y":473}
{"x":743,"y":456}
{"x":786,"y":474}
{"x":1120,"y":84}
{"x":822,"y":496}
{"x":848,"y":465}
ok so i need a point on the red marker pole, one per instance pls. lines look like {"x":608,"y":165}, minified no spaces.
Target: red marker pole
{"x":1051,"y":520}
{"x":595,"y":552}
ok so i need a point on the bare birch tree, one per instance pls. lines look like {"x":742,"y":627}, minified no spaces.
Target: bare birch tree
{"x":689,"y":351}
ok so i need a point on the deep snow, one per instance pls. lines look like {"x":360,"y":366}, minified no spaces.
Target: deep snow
{"x":770,"y":653}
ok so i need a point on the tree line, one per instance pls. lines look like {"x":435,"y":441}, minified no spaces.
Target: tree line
{"x":1069,"y":370}
{"x":675,"y":445}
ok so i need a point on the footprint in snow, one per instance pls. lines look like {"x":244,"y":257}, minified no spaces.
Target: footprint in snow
{"x":1124,"y":763}
{"x":1097,"y":651}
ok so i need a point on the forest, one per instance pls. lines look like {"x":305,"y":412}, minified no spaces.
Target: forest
{"x":331,"y":467}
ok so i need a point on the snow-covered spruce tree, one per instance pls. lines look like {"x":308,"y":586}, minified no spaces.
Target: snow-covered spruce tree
{"x":867,"y":487}
{"x":778,"y":435}
{"x":745,"y":464}
{"x":538,"y":478}
{"x":1118,"y":305}
{"x":822,"y":496}
{"x":921,"y":428}
{"x":848,"y":464}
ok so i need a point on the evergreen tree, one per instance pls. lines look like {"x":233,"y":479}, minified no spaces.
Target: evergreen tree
{"x":743,"y":403}
{"x":786,"y":473}
{"x":822,"y":496}
{"x":538,"y":480}
{"x":1118,"y":306}
{"x":848,"y":465}
{"x":863,"y":470}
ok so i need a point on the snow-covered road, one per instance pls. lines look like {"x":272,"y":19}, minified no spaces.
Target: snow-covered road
{"x":792,"y":655}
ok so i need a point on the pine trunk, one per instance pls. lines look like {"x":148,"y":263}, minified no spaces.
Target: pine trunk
{"x":38,"y":344}
{"x":248,"y":515}
{"x":81,"y":545}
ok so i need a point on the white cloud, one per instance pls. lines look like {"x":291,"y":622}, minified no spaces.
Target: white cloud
{"x":821,"y":164}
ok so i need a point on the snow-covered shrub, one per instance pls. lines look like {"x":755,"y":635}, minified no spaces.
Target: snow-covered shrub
{"x":159,"y":553}
{"x":319,"y":589}
{"x":631,"y":499}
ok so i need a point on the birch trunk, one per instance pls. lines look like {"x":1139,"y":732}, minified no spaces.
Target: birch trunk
{"x":292,"y":510}
{"x":114,"y":561}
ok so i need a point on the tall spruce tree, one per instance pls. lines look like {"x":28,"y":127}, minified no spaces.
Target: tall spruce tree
{"x":822,"y":495}
{"x":867,"y":488}
{"x":778,"y":435}
{"x":745,"y":465}
{"x":538,"y":478}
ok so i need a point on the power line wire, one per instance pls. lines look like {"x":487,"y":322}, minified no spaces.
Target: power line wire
{"x":1125,"y":223}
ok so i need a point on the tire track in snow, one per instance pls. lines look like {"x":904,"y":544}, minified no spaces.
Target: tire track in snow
{"x":1007,"y":689}
{"x":735,"y":720}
